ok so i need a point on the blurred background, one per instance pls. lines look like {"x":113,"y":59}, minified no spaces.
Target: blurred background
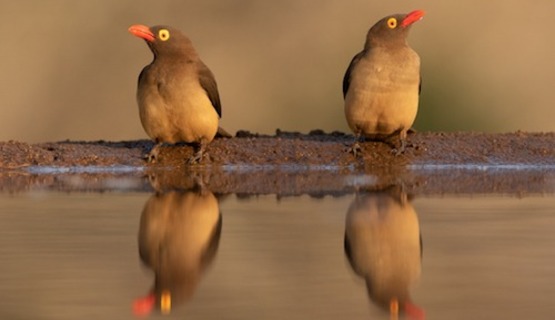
{"x":69,"y":68}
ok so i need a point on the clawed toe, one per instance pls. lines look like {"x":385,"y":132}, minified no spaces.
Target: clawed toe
{"x":195,"y":159}
{"x":199,"y":155}
{"x":400,"y":150}
{"x":397,"y":151}
{"x":355,"y":149}
{"x":153,"y":155}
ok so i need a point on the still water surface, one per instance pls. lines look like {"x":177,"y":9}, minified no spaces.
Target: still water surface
{"x":92,"y":256}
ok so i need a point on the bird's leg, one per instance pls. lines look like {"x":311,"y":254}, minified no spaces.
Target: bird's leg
{"x":152,"y":156}
{"x":403,"y":143}
{"x":200,"y":153}
{"x":355,"y":149}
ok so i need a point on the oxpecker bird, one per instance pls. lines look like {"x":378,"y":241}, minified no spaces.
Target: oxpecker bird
{"x":177,"y":94}
{"x":382,"y":84}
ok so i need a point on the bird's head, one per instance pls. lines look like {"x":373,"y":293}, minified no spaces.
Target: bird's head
{"x":392,"y":29}
{"x":163,"y":40}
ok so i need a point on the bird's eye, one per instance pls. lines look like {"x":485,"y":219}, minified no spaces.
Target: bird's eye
{"x":163,"y":34}
{"x":392,"y":23}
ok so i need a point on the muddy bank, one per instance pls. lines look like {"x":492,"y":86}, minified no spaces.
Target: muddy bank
{"x":289,"y":163}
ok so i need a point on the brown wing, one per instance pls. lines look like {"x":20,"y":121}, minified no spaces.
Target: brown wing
{"x":347,"y":77}
{"x":208,"y":83}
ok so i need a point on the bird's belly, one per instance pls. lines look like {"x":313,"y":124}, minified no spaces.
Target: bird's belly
{"x":381,"y":111}
{"x":189,"y":118}
{"x":383,"y":94}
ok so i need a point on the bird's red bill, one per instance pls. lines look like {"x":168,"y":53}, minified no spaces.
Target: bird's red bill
{"x":138,"y":30}
{"x":412,"y":17}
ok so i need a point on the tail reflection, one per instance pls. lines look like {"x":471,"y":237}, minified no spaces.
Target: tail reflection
{"x":383,"y":245}
{"x":178,"y":238}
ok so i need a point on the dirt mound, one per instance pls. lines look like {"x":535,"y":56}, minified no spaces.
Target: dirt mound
{"x":290,"y":163}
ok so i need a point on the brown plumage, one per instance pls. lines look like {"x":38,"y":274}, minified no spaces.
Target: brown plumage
{"x":177,"y":94}
{"x":382,"y":84}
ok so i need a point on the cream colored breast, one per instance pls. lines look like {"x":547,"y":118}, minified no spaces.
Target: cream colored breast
{"x":177,"y":110}
{"x":383,"y":94}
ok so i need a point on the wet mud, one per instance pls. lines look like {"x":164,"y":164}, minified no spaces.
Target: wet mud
{"x":291,"y":163}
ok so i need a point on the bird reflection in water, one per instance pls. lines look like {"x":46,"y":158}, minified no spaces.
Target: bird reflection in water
{"x":178,"y":239}
{"x":384,"y":246}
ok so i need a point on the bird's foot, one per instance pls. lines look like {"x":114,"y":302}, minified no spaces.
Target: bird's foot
{"x":150,"y":158}
{"x":400,"y":150}
{"x":194,"y":159}
{"x":355,"y":149}
{"x":153,"y":155}
{"x":200,"y":154}
{"x":397,"y":151}
{"x":198,"y":158}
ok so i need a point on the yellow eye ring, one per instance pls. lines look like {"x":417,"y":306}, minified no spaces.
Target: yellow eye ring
{"x":392,"y":23}
{"x":163,"y":34}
